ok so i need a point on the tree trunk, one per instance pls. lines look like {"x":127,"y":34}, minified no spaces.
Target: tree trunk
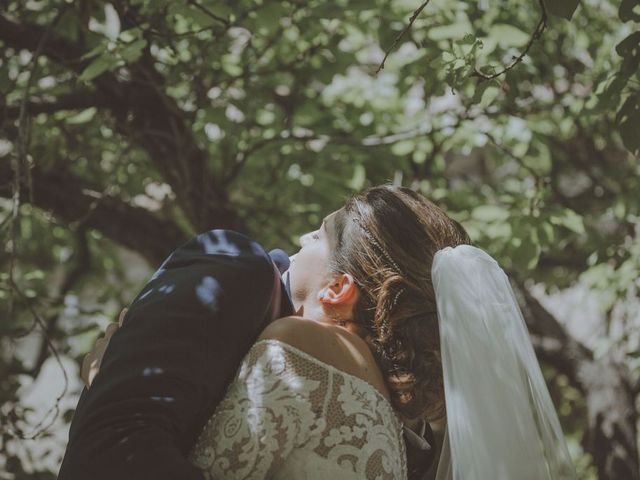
{"x":612,"y":419}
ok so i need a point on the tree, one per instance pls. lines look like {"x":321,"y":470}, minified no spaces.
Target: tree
{"x":128,"y":126}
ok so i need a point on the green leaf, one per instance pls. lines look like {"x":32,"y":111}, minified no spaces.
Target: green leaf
{"x":468,"y":39}
{"x":403,"y":147}
{"x":100,"y":65}
{"x":97,"y":50}
{"x":561,"y":8}
{"x":479,"y":91}
{"x":448,"y":57}
{"x":359,"y":177}
{"x":489,"y":213}
{"x":230,"y":64}
{"x":508,"y":35}
{"x":453,"y":31}
{"x":265,"y":117}
{"x":569,"y":219}
{"x":270,"y":15}
{"x":218,"y":8}
{"x":82,"y":117}
{"x":132,"y":52}
{"x":198,"y":17}
{"x":546,"y":234}
{"x":525,"y":251}
{"x":488,"y":96}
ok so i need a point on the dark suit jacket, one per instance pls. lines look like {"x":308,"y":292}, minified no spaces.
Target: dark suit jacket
{"x":169,"y":366}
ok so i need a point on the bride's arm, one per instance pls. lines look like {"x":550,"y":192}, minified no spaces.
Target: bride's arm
{"x":346,"y":349}
{"x":275,"y":403}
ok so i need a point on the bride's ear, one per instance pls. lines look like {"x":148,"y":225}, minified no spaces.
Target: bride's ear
{"x":341,"y":291}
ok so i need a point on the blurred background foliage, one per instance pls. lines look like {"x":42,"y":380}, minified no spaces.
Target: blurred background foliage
{"x":128,"y":126}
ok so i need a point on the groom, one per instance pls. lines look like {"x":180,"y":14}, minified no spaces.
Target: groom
{"x":168,"y":367}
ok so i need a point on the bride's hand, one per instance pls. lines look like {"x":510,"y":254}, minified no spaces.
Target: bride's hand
{"x":93,"y":359}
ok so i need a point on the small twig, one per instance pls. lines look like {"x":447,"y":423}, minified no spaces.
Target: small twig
{"x":539,"y":180}
{"x":82,"y":266}
{"x":510,"y":154}
{"x":179,"y":35}
{"x":41,"y":426}
{"x":5,"y":221}
{"x":20,"y":160}
{"x":542,"y":25}
{"x":401,"y":34}
{"x":209,"y":13}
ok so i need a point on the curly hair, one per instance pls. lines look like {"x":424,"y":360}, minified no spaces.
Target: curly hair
{"x":386,"y":239}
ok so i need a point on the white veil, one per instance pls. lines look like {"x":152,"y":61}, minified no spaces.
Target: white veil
{"x":501,"y":423}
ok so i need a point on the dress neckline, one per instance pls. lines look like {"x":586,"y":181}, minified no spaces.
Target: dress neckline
{"x":332,"y":368}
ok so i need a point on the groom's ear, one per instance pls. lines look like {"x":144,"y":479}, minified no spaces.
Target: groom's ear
{"x":341,"y":291}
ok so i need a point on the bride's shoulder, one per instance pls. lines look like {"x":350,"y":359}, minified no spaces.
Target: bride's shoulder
{"x":320,"y":340}
{"x":329,"y":343}
{"x":294,"y":325}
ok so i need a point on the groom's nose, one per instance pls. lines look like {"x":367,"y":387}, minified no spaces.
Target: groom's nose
{"x":281,"y":259}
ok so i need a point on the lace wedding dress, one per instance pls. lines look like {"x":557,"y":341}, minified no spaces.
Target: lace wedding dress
{"x":287,"y":415}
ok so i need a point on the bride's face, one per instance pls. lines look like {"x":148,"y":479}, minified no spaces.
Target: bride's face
{"x":309,"y":272}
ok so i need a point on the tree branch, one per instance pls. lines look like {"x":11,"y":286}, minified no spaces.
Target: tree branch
{"x":150,"y":119}
{"x":604,"y":382}
{"x":402,"y":33}
{"x":209,"y":13}
{"x":82,"y":265}
{"x":68,"y":198}
{"x":52,"y":413}
{"x":540,"y":27}
{"x":22,"y":35}
{"x":72,"y":101}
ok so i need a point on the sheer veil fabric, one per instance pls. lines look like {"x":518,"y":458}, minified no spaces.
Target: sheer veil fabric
{"x":501,"y":423}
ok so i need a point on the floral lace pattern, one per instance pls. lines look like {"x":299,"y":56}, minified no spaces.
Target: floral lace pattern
{"x":289,"y":415}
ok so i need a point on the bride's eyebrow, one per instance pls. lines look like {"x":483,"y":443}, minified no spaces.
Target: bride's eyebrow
{"x":326,"y":223}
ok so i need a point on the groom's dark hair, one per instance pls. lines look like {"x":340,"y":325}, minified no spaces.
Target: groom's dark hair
{"x":386,"y":239}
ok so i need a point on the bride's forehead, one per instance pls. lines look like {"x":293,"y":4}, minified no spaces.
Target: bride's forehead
{"x":335,"y":224}
{"x":334,"y":221}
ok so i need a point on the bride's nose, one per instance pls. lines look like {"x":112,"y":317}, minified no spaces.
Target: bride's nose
{"x":304,"y":239}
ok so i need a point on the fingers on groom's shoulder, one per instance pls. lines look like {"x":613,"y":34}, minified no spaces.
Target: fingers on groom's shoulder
{"x":123,"y":314}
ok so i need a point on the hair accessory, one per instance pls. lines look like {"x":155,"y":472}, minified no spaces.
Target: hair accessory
{"x":373,"y":240}
{"x":384,"y":327}
{"x":395,"y":298}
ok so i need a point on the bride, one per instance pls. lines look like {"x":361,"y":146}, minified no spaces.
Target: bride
{"x":400,"y":320}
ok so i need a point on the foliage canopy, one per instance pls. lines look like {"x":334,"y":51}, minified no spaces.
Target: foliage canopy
{"x":129,"y":126}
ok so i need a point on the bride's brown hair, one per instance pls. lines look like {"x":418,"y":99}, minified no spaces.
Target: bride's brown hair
{"x":386,"y":239}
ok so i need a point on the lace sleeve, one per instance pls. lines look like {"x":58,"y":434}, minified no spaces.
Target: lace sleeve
{"x":275,"y":404}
